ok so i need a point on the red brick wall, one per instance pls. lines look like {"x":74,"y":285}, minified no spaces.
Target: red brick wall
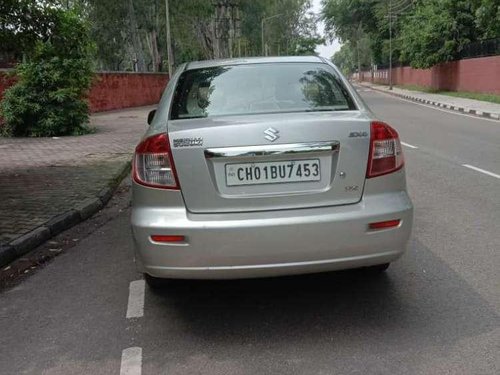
{"x":115,"y":90}
{"x":123,"y":90}
{"x":474,"y":75}
{"x":5,"y":81}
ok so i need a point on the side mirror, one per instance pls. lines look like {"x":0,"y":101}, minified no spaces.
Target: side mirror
{"x":151,"y":115}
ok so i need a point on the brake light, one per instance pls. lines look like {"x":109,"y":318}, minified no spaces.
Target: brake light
{"x":386,"y":155}
{"x":153,"y":164}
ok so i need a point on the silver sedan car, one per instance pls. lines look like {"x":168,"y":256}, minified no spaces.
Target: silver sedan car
{"x":265,"y":167}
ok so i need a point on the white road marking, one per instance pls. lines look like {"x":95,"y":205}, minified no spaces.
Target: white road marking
{"x":458,"y":113}
{"x":409,"y":145}
{"x":481,"y":170}
{"x":135,"y":307}
{"x":131,"y":361}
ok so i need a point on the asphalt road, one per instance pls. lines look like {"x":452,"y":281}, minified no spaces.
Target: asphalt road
{"x":436,"y":311}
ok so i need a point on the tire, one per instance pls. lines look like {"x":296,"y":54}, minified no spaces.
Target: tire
{"x":155,"y":282}
{"x":379,"y":268}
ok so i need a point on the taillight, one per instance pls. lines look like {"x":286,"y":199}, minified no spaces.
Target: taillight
{"x":386,"y":155}
{"x":167,"y":238}
{"x":385,"y":224}
{"x":153,"y":164}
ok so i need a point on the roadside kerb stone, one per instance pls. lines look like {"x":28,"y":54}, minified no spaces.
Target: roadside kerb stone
{"x":48,"y":185}
{"x":105,"y":194}
{"x":30,"y":240}
{"x":7,"y":254}
{"x":63,"y":221}
{"x":467,"y":110}
{"x":89,"y":207}
{"x":22,"y":245}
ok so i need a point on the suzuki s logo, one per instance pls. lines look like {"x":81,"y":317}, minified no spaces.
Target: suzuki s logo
{"x":271,"y":134}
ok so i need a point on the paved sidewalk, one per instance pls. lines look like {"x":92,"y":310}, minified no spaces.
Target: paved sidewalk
{"x":50,"y":184}
{"x":471,"y":106}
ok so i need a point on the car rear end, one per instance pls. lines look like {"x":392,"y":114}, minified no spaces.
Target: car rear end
{"x":263,"y":168}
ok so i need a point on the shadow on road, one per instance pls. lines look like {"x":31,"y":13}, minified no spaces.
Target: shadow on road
{"x":279,"y":303}
{"x":419,"y":301}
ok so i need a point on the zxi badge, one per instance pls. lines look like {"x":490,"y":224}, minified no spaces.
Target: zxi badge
{"x":271,"y":134}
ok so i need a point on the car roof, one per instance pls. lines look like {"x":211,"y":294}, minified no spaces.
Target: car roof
{"x":253,"y":60}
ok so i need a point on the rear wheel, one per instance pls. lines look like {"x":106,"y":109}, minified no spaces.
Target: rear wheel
{"x":379,"y":268}
{"x":155,"y":282}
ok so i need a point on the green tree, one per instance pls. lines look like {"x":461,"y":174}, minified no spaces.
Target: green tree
{"x":135,"y":30}
{"x":108,"y":29}
{"x":424,"y":32}
{"x":366,"y":25}
{"x":49,"y":96}
{"x":488,"y":19}
{"x":344,"y":18}
{"x":23,"y":23}
{"x":307,"y":45}
{"x":345,"y":60}
{"x":437,"y":31}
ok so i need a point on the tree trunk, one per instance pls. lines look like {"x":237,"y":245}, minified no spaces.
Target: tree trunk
{"x":136,"y":38}
{"x":205,"y":35}
{"x":152,"y":42}
{"x":156,"y":53}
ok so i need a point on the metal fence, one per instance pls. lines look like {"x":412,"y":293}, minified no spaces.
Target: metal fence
{"x":481,"y":48}
{"x":396,"y":64}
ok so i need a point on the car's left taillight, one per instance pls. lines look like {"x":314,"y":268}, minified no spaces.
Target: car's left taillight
{"x":153,"y":164}
{"x":386,"y":155}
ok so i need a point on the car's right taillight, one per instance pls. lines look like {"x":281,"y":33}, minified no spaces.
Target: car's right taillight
{"x":153,"y":164}
{"x":385,"y":155}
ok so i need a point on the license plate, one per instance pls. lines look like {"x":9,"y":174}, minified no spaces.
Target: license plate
{"x":274,"y":172}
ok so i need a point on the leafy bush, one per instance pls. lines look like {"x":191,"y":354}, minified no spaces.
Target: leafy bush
{"x":49,"y":96}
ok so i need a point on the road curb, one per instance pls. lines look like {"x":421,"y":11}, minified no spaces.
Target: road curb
{"x":30,"y":240}
{"x":7,"y":254}
{"x":474,"y":112}
{"x":89,"y":207}
{"x":61,"y":222}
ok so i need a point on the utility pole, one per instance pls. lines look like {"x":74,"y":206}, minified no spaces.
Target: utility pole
{"x":264,"y":49}
{"x":390,"y":44}
{"x":360,"y":28}
{"x":359,"y":65}
{"x":393,"y":11}
{"x":170,"y":55}
{"x":262,"y":36}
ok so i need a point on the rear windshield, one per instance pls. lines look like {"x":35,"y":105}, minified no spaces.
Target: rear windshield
{"x":259,"y":88}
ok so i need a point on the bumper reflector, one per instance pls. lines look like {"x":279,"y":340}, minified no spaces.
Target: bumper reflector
{"x":167,"y":238}
{"x":385,"y":224}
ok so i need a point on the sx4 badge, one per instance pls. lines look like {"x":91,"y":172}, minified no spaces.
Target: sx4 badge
{"x":358,"y":134}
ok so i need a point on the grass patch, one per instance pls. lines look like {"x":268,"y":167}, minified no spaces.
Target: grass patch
{"x":418,"y":88}
{"x":492,"y":98}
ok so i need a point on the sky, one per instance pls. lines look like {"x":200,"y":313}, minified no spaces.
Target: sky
{"x":328,"y":49}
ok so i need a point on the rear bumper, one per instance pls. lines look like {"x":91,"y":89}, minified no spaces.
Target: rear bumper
{"x":261,"y":244}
